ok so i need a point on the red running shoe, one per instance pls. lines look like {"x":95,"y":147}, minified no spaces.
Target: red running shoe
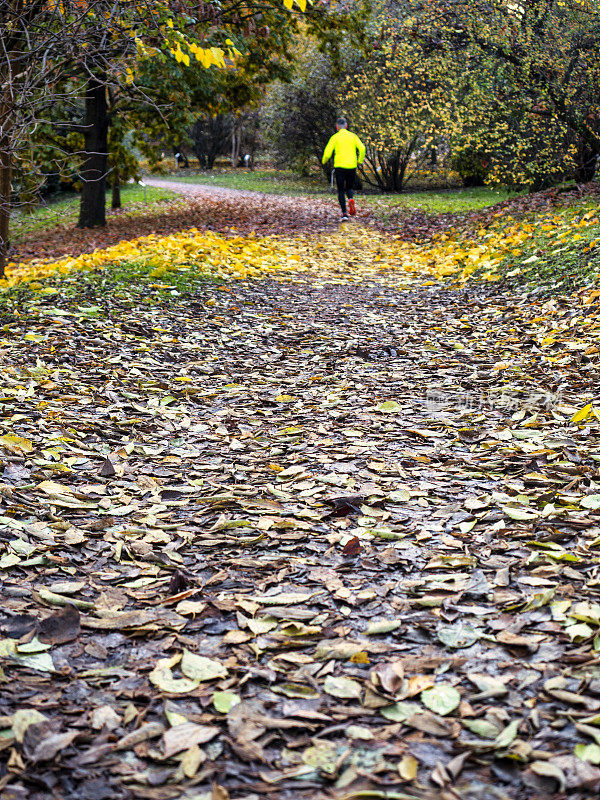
{"x":351,"y":207}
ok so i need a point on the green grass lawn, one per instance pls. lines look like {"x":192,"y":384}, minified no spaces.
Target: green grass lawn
{"x":438,"y":201}
{"x":66,"y":209}
{"x":272,"y":181}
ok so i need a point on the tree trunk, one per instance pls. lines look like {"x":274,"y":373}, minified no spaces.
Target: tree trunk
{"x":116,"y":189}
{"x":380,"y":174}
{"x":394,"y":179}
{"x":92,"y":210}
{"x":236,"y":143}
{"x":5,"y":198}
{"x":586,"y":164}
{"x":401,"y":174}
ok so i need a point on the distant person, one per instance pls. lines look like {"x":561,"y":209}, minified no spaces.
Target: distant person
{"x":348,"y":151}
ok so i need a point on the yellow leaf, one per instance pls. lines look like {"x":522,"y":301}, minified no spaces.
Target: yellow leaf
{"x":218,"y":56}
{"x":53,"y":488}
{"x":16,"y":444}
{"x":360,"y":658}
{"x":162,"y":677}
{"x":583,"y":413}
{"x":205,"y":57}
{"x":288,"y":4}
{"x":408,"y":768}
{"x":302,"y":4}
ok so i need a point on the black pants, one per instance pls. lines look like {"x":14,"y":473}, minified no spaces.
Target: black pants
{"x":344,"y":179}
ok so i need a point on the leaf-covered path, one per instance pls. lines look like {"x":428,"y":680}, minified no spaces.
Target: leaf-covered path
{"x":204,"y":207}
{"x":329,"y":535}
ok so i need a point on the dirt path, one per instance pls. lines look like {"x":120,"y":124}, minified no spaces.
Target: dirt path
{"x":299,"y":540}
{"x":207,"y":190}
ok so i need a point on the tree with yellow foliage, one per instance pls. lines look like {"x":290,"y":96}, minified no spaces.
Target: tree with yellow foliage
{"x":396,"y":101}
{"x":534,"y":73}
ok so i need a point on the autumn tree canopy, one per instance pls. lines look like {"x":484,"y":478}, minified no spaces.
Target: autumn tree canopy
{"x":531,"y":64}
{"x":509,"y":89}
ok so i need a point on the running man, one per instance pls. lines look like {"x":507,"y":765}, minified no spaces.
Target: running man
{"x":348,"y":151}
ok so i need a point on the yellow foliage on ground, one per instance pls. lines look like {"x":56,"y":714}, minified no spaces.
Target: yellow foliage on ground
{"x":350,"y":254}
{"x":452,"y":255}
{"x":353,"y":253}
{"x":225,"y":256}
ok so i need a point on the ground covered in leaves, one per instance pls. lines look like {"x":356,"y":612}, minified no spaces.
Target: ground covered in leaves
{"x":548,"y":241}
{"x":205,"y":208}
{"x":329,"y":531}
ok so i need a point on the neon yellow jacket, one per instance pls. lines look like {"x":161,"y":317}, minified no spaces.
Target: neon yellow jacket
{"x":343,"y":146}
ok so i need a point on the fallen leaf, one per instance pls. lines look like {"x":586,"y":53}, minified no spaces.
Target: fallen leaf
{"x":184,"y":736}
{"x":61,"y":627}
{"x":342,"y":687}
{"x":442,"y":698}
{"x":200,"y":668}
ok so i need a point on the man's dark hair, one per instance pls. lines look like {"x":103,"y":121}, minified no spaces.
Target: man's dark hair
{"x":342,"y":122}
